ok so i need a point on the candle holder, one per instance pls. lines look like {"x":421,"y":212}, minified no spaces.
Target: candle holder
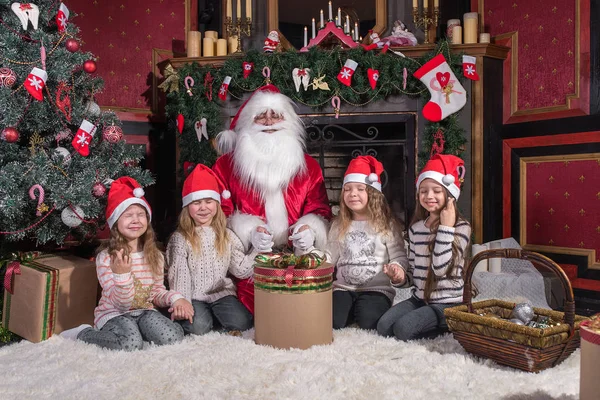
{"x":425,"y":19}
{"x":238,"y":29}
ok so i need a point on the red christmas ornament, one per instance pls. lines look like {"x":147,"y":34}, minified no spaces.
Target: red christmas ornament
{"x":7,"y":77}
{"x":10,"y":135}
{"x":72,"y":45}
{"x":98,"y":190}
{"x":90,"y":66}
{"x":112,"y":134}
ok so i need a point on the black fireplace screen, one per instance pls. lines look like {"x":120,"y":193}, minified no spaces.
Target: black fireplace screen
{"x":388,"y":137}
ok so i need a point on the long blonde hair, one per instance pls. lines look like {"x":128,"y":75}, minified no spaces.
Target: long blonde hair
{"x":379,"y":215}
{"x":187,"y":227}
{"x":422,"y":214}
{"x":152,"y":255}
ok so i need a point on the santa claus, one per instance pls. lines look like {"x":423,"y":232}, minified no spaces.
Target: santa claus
{"x":278,"y":193}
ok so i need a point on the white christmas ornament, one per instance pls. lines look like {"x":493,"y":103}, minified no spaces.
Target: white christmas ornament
{"x":26,"y":12}
{"x":301,"y":76}
{"x":92,"y":109}
{"x":70,"y":219}
{"x":200,"y":127}
{"x":65,"y":154}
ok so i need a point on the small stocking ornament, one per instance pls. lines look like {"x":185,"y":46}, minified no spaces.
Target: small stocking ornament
{"x":469,"y":70}
{"x":248,"y":68}
{"x":224,"y":87}
{"x":35,"y":83}
{"x":345,"y":75}
{"x":447,"y":94}
{"x":373,"y":75}
{"x":83,"y":137}
{"x":62,"y":17}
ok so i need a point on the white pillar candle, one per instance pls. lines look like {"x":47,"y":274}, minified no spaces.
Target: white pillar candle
{"x":313,"y":28}
{"x":239,"y":8}
{"x":339,"y":16}
{"x":249,"y":9}
{"x":305,"y":36}
{"x":482,"y":265}
{"x":330,"y":12}
{"x":355,"y":31}
{"x":321,"y":20}
{"x":470,"y":25}
{"x":415,"y":3}
{"x":228,"y":14}
{"x":495,"y":264}
{"x":347,"y":30}
{"x":425,"y":4}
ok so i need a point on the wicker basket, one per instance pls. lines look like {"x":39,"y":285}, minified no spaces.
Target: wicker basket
{"x":478,"y":329}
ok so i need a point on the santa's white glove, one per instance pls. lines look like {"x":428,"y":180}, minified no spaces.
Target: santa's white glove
{"x":303,"y":240}
{"x":262,"y":240}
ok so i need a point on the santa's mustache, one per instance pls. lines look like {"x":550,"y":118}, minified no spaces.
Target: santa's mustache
{"x":266,"y":128}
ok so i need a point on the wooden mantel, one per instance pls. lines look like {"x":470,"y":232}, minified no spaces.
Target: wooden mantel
{"x":480,"y":51}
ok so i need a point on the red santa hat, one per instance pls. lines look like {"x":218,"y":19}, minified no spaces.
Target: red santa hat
{"x":202,"y":183}
{"x":265,"y":98}
{"x":445,"y":169}
{"x":124,"y":192}
{"x":364,"y":169}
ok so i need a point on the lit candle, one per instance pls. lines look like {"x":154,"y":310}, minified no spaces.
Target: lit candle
{"x":340,"y":15}
{"x":228,"y":9}
{"x":415,"y":3}
{"x":321,"y":20}
{"x":425,"y":4}
{"x":313,"y":28}
{"x":305,"y":36}
{"x":352,"y":34}
{"x":337,"y":21}
{"x":355,"y":37}
{"x":249,"y":9}
{"x":347,"y":30}
{"x":239,"y":8}
{"x":330,"y":13}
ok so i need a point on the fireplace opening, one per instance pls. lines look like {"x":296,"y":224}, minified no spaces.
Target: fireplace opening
{"x":388,"y":137}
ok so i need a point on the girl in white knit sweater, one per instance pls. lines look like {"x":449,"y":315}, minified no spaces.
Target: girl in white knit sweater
{"x":364,"y":241}
{"x":438,"y":237}
{"x":202,"y":252}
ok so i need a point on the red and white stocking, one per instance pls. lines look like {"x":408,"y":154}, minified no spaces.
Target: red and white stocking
{"x":35,"y":83}
{"x":248,"y":68}
{"x":83,"y":137}
{"x":447,"y":94}
{"x":469,"y":70}
{"x":373,"y":75}
{"x":224,"y":87}
{"x":62,"y":17}
{"x":345,"y":75}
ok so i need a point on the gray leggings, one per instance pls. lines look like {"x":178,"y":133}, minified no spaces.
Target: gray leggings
{"x":127,"y":332}
{"x":413,"y":319}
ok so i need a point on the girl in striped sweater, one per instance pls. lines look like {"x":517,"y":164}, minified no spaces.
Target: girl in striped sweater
{"x":438,"y":237}
{"x":131,"y":272}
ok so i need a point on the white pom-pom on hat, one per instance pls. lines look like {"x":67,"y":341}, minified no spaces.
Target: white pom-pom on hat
{"x":138,"y":192}
{"x":448,"y":179}
{"x":373,"y":177}
{"x":225,"y":194}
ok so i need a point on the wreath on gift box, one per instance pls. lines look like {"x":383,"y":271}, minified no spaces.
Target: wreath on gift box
{"x":195,"y":92}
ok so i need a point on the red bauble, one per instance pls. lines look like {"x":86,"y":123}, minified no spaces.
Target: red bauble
{"x":112,"y":134}
{"x":98,"y":190}
{"x":10,"y":135}
{"x":89,"y":66}
{"x":7,"y":77}
{"x":72,"y":45}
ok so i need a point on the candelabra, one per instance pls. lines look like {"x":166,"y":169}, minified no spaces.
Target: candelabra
{"x":425,"y":19}
{"x":238,"y":29}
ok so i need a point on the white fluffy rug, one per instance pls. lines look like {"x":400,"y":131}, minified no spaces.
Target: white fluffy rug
{"x":358,"y":365}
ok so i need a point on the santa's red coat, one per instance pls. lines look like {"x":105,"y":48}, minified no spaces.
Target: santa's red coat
{"x":305,"y":195}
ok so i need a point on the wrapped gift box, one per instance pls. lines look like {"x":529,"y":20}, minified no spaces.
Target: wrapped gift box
{"x":589,"y":384}
{"x":51,"y":294}
{"x":293,"y":307}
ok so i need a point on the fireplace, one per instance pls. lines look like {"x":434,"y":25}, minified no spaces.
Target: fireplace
{"x":390,"y":137}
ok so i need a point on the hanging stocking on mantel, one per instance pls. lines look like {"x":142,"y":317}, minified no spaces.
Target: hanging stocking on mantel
{"x":224,"y":88}
{"x":469,"y":70}
{"x":447,"y":94}
{"x":345,"y":75}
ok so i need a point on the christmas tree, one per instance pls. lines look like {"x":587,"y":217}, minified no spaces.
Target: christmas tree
{"x":58,"y":150}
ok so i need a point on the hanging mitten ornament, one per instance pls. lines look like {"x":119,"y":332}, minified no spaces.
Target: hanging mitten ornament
{"x":62,"y":17}
{"x":373,"y":75}
{"x":248,"y":68}
{"x":345,"y":75}
{"x":35,"y":83}
{"x":224,"y":87}
{"x":83,"y":137}
{"x":469,"y":70}
{"x":447,"y":94}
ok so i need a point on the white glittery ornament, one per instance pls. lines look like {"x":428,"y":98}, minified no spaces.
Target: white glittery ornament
{"x":92,"y":109}
{"x":65,"y":154}
{"x":69,"y":218}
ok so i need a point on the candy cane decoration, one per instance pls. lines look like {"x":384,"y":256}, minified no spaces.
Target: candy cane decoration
{"x":43,"y":55}
{"x":335,"y":102}
{"x":404,"y":76}
{"x":266,"y":71}
{"x":189,"y":82}
{"x":41,"y":206}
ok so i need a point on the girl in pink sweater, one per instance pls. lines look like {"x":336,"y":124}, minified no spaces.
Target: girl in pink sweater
{"x":131,"y":272}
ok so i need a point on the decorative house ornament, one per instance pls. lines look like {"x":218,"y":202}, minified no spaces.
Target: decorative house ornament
{"x":329,"y":37}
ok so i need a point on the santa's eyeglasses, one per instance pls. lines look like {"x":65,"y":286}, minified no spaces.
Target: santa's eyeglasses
{"x":268,"y":116}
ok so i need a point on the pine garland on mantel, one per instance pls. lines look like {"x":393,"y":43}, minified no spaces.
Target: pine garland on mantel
{"x":321,"y":62}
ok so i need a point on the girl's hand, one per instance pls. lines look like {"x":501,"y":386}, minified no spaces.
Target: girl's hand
{"x":182,"y":309}
{"x":120,"y":263}
{"x":394,"y":272}
{"x":448,"y":213}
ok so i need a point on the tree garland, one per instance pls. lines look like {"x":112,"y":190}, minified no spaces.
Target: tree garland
{"x":197,"y":105}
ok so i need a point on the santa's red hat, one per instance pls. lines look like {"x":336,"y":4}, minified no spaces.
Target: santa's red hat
{"x":265,"y":98}
{"x":124,"y":192}
{"x":364,"y":169}
{"x":445,"y":169}
{"x":202,"y":183}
